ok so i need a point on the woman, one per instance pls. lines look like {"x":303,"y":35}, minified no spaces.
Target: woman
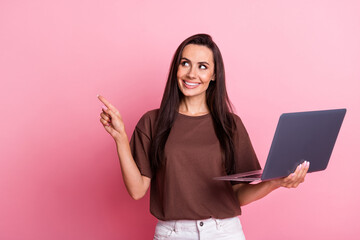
{"x":179,"y":148}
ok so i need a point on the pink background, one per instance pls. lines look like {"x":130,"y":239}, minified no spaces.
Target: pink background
{"x":59,"y":172}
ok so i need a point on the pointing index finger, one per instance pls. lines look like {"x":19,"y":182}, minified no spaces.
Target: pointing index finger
{"x":105,"y":102}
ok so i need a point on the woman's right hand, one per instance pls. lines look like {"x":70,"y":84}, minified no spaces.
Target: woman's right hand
{"x":136,"y":184}
{"x":111,"y":120}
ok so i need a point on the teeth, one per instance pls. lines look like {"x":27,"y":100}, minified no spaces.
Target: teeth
{"x":192,"y":84}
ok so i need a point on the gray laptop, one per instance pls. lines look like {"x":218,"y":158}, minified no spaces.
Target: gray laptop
{"x":299,"y":137}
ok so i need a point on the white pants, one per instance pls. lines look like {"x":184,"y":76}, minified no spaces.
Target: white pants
{"x":219,"y":229}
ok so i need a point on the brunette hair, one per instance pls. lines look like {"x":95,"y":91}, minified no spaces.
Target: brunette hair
{"x":216,"y":99}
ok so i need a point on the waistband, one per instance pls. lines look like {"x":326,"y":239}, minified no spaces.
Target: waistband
{"x":195,"y":225}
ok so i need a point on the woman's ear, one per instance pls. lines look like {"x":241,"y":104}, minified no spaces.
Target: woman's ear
{"x":213,"y":77}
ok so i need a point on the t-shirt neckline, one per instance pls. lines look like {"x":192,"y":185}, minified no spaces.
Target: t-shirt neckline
{"x":194,"y":117}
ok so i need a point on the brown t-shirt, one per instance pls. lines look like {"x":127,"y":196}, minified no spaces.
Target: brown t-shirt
{"x":184,"y":187}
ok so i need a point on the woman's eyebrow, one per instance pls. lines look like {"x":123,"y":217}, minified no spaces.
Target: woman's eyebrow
{"x":204,"y":63}
{"x":184,"y":58}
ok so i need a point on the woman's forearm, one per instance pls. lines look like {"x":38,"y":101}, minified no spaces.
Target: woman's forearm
{"x":136,"y":184}
{"x":247,"y":193}
{"x":111,"y":119}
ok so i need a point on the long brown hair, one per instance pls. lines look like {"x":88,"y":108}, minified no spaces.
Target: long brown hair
{"x":216,"y":99}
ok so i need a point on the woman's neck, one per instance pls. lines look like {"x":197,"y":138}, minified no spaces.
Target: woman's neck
{"x":193,"y":106}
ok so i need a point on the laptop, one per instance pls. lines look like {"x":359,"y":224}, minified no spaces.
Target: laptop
{"x":299,"y":136}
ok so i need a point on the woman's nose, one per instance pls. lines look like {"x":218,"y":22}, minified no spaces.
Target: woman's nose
{"x":192,"y":72}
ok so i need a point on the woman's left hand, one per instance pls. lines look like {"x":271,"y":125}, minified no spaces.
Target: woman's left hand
{"x":294,"y":179}
{"x":247,"y":193}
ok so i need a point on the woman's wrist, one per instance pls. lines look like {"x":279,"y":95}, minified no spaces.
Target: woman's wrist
{"x":274,"y":184}
{"x":121,"y":138}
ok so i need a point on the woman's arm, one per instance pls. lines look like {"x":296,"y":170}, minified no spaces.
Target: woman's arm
{"x":136,"y":184}
{"x":247,"y":193}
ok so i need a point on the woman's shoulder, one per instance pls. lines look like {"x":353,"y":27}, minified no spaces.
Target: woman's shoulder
{"x":238,"y":122}
{"x":150,"y":115}
{"x":147,"y":121}
{"x":236,"y":118}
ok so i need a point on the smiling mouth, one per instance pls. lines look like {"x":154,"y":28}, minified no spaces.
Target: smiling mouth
{"x":192,"y":85}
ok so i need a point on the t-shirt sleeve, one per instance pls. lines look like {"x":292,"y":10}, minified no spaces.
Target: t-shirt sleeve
{"x":245,"y":156}
{"x":140,"y":145}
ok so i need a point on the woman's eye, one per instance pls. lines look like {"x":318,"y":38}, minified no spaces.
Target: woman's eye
{"x":185,"y":64}
{"x":203,"y":67}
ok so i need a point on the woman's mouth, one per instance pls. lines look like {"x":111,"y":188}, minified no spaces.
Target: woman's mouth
{"x":190,"y":84}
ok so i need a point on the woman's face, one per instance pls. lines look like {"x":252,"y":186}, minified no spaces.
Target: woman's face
{"x":196,"y":70}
